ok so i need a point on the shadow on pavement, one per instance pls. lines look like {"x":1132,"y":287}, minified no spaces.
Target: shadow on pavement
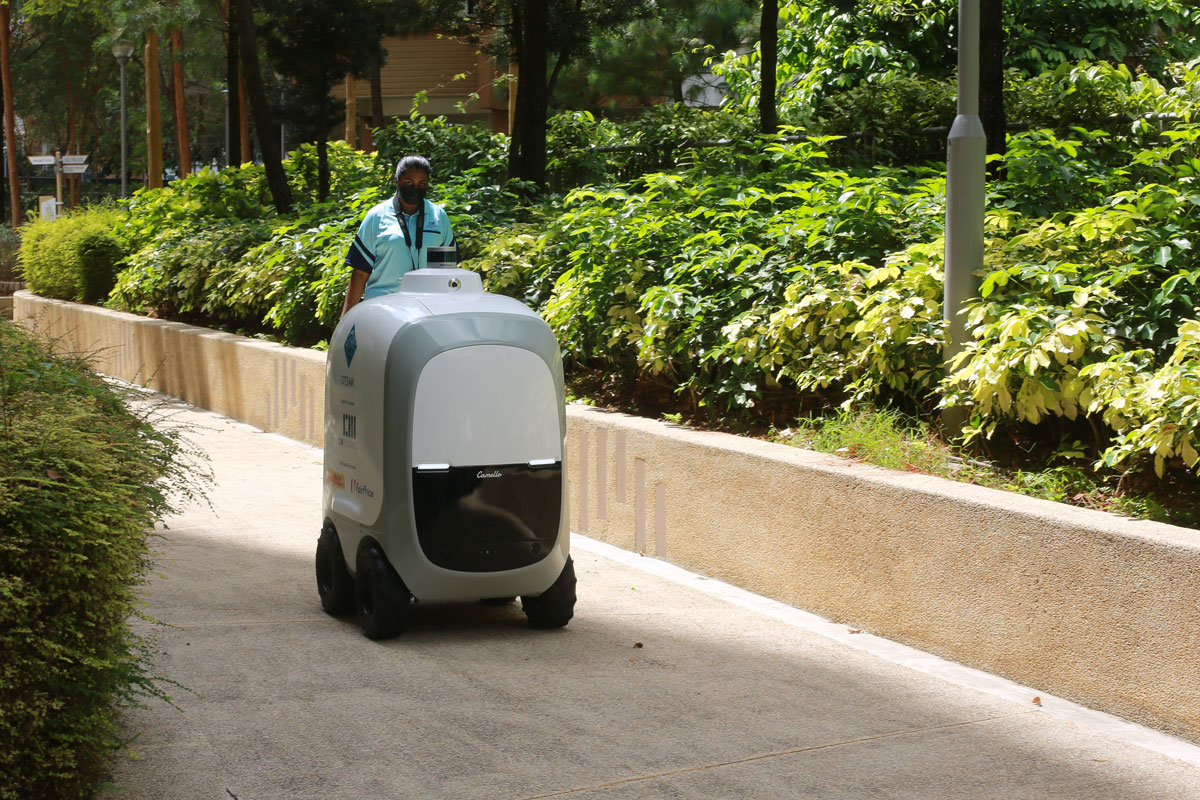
{"x":717,"y":702}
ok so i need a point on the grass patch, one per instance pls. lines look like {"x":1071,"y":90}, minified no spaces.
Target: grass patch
{"x":890,"y":439}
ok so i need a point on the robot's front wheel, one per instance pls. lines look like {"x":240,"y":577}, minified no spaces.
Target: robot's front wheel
{"x":383,"y":601}
{"x":334,"y":584}
{"x":554,"y":607}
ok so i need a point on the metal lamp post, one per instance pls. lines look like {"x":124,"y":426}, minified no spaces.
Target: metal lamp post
{"x":123,"y":51}
{"x":966,"y":180}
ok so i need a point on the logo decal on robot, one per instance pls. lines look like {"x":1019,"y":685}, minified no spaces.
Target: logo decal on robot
{"x":492,"y":474}
{"x":351,"y":346}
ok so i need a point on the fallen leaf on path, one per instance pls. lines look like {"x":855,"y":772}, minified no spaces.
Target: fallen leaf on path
{"x":855,"y":630}
{"x":637,"y":644}
{"x":1037,"y":701}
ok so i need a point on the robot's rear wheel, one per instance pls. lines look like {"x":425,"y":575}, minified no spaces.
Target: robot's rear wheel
{"x":334,"y":584}
{"x":384,"y":602}
{"x":554,"y":607}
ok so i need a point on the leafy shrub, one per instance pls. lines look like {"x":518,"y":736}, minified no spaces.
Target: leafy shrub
{"x":236,"y":193}
{"x":10,"y":245}
{"x":350,"y":172}
{"x":100,"y":255}
{"x":709,"y":283}
{"x":661,"y":138}
{"x":81,"y":480}
{"x":52,"y":260}
{"x":187,"y":271}
{"x":452,"y":150}
{"x":889,"y":113}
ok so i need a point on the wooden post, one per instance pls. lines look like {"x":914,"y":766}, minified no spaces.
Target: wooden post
{"x":10,"y":118}
{"x":181,"y":122}
{"x":351,"y":112}
{"x":243,"y":118}
{"x":58,"y":179}
{"x":154,"y":161}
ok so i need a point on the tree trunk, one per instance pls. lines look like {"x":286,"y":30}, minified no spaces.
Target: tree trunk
{"x":991,"y":79}
{"x":244,"y":111}
{"x":181,"y":122}
{"x":154,"y":162}
{"x":322,"y":159}
{"x":768,"y":45}
{"x":351,"y":114}
{"x":233,"y":144}
{"x":531,"y":100}
{"x":268,"y":145}
{"x":376,"y":95}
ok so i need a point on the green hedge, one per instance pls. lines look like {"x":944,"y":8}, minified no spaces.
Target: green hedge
{"x":81,"y":480}
{"x":76,"y":257}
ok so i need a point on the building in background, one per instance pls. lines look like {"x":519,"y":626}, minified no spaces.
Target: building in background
{"x":455,"y":78}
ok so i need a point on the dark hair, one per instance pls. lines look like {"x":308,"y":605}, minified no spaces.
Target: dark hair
{"x":411,"y":162}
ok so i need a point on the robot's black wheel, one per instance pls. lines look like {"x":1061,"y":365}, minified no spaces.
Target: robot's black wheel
{"x":383,"y":601}
{"x":334,"y":584}
{"x":497,"y":601}
{"x":554,"y":607}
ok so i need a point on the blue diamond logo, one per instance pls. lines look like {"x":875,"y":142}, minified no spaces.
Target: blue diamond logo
{"x":351,"y":346}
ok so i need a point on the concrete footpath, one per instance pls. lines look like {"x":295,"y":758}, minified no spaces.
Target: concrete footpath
{"x":665,"y":685}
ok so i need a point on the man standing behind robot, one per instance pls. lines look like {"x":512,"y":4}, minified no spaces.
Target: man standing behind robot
{"x":395,"y":235}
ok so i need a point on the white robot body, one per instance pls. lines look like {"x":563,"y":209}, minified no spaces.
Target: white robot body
{"x":444,"y":436}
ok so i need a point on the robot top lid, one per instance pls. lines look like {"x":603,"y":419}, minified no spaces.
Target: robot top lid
{"x":440,"y":281}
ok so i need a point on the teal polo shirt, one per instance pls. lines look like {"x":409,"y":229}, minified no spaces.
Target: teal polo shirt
{"x":380,"y":249}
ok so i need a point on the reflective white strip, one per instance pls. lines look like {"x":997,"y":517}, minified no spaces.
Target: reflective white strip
{"x":543,"y":462}
{"x":432,"y":467}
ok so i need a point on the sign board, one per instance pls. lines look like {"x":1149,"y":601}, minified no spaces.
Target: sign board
{"x":41,"y":161}
{"x":74,"y":168}
{"x":48,"y":206}
{"x":74,"y":159}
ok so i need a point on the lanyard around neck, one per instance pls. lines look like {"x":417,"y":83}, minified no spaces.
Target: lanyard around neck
{"x":416,"y":254}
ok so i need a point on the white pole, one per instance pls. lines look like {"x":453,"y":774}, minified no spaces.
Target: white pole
{"x":966,"y":176}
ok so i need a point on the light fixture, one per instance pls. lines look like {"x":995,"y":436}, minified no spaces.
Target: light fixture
{"x":122,"y":50}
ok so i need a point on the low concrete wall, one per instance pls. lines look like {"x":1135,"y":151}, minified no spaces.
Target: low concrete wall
{"x":270,"y":386}
{"x":1096,"y":608}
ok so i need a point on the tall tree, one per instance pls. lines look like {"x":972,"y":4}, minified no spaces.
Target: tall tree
{"x":315,"y":44}
{"x":768,"y":32}
{"x":181,"y":122}
{"x":652,"y":57}
{"x":154,"y":154}
{"x":10,"y":117}
{"x":268,"y":145}
{"x":532,"y":33}
{"x":527,"y":158}
{"x":991,"y":76}
{"x":233,"y":83}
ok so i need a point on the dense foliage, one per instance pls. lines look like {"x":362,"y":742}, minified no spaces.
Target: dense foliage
{"x":751,"y":277}
{"x":826,"y":48}
{"x":82,"y":478}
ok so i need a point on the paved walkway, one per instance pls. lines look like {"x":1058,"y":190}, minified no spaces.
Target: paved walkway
{"x":660,"y":688}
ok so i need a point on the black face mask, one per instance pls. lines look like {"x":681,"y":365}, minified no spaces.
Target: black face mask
{"x":413,"y":195}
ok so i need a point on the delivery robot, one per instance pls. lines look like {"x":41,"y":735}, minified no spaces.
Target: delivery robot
{"x":444,"y":433}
